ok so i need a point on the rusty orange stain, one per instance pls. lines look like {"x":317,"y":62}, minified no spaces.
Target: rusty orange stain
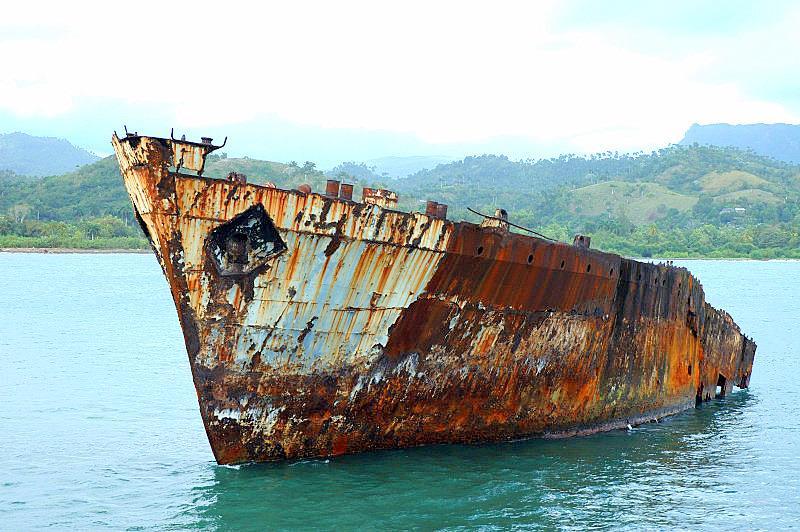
{"x":342,"y":327}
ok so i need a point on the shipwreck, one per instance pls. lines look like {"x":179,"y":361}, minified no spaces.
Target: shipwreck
{"x":318,"y":325}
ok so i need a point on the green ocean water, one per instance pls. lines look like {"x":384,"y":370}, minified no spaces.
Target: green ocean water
{"x":99,"y":429}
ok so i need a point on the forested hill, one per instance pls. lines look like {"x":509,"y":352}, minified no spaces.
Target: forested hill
{"x":96,"y":189}
{"x":678,"y":201}
{"x":781,"y":141}
{"x":89,"y":207}
{"x":566,"y":188}
{"x":38,"y":156}
{"x":747,"y":199}
{"x":676,"y":165}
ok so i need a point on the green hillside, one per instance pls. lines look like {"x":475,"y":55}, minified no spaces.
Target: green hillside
{"x":731,"y":181}
{"x":96,"y":189}
{"x":89,"y":208}
{"x":640,"y":202}
{"x":747,"y":195}
{"x":92,"y":190}
{"x":284,"y":175}
{"x":679,"y":201}
{"x":256,"y":171}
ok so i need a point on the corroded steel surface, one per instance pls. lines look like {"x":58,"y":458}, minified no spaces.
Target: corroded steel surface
{"x":318,"y":326}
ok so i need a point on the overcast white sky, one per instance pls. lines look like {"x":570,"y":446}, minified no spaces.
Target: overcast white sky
{"x":343,"y":80}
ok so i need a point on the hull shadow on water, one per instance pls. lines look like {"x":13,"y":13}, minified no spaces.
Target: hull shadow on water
{"x":678,"y":472}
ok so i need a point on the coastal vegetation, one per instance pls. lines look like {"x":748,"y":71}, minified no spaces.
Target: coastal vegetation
{"x":681,"y":201}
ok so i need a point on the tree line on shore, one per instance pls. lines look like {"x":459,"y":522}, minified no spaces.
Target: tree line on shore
{"x":681,"y":201}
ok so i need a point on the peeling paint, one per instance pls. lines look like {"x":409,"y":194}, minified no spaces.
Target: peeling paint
{"x":317,"y":326}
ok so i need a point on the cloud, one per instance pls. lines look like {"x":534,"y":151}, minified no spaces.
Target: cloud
{"x":449,"y":72}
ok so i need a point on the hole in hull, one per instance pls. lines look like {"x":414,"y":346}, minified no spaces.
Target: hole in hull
{"x":721,"y":386}
{"x":245,"y":243}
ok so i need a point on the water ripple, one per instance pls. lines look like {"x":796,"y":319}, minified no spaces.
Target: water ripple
{"x":101,"y":430}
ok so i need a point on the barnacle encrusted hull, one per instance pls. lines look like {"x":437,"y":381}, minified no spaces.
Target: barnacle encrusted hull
{"x":317,"y":326}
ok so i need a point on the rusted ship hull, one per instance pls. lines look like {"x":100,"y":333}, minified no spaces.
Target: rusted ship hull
{"x":317,"y":326}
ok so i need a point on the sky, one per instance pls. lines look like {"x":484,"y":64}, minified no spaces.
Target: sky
{"x":340,"y":81}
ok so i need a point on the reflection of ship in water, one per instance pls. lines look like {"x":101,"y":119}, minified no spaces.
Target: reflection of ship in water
{"x":636,"y":477}
{"x":317,"y":325}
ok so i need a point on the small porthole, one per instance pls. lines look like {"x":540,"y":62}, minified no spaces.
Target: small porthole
{"x":690,"y":369}
{"x":611,"y":273}
{"x":530,"y":258}
{"x":640,"y":276}
{"x":588,"y":267}
{"x":480,"y":250}
{"x":562,"y":264}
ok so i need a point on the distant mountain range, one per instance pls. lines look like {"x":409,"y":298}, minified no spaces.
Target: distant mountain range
{"x":27,"y":155}
{"x":780,"y":141}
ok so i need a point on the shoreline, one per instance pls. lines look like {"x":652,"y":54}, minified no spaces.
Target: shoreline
{"x":144,"y":251}
{"x":73,"y":250}
{"x":740,"y":259}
